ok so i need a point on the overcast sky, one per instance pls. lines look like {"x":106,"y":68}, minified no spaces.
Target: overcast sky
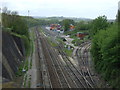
{"x":67,"y":8}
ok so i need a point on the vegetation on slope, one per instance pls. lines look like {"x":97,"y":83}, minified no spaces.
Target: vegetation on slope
{"x":16,"y":25}
{"x":105,"y":50}
{"x":39,"y":22}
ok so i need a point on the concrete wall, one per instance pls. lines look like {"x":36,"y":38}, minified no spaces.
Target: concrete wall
{"x":12,"y":55}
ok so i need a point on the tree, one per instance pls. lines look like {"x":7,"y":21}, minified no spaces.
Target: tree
{"x":14,"y":13}
{"x":118,"y":18}
{"x":14,"y":22}
{"x":4,"y":10}
{"x":82,"y":25}
{"x":98,"y":24}
{"x":105,"y":52}
{"x":66,"y":23}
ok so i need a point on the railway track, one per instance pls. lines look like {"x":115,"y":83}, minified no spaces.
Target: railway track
{"x":81,"y":81}
{"x":61,"y":74}
{"x":76,"y":77}
{"x":57,"y":77}
{"x":55,"y":73}
{"x":43,"y":75}
{"x":67,"y":75}
{"x":83,"y":58}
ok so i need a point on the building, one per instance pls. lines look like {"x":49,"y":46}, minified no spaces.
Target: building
{"x":81,"y":35}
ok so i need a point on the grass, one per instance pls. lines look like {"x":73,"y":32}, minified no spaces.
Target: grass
{"x":68,"y":52}
{"x":31,"y":64}
{"x":26,"y":65}
{"x":32,"y":45}
{"x":19,"y":72}
{"x":29,"y":82}
{"x":77,"y":42}
{"x":6,"y":29}
{"x":27,"y":62}
{"x":52,"y":43}
{"x":25,"y":80}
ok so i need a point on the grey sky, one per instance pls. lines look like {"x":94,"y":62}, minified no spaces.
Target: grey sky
{"x":72,"y":8}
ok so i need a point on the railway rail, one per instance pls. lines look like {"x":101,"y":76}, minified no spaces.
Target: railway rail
{"x":43,"y":75}
{"x":67,"y":75}
{"x":78,"y":79}
{"x":57,"y":73}
{"x":57,"y":78}
{"x":61,"y":74}
{"x":82,"y":55}
{"x":81,"y":80}
{"x":61,"y":77}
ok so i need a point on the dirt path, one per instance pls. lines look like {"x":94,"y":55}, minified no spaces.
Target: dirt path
{"x":31,"y":76}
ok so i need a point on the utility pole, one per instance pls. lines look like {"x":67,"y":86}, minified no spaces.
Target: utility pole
{"x":28,"y":19}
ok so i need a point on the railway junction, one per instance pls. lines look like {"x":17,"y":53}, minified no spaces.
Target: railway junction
{"x":52,"y":68}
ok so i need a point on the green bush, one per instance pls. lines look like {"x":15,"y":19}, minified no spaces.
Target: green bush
{"x":105,"y":52}
{"x":77,"y":42}
{"x":27,"y":44}
{"x":17,"y":26}
{"x":68,"y":52}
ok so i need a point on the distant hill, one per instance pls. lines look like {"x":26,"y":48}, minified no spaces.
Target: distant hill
{"x":61,"y":18}
{"x":73,"y":18}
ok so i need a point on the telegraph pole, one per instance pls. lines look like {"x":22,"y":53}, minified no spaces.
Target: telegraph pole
{"x":28,"y":18}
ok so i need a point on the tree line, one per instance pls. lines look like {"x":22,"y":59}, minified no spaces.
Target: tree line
{"x":17,"y":25}
{"x":105,"y":49}
{"x":39,"y":22}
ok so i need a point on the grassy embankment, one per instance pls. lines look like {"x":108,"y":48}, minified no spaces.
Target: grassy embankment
{"x":105,"y":49}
